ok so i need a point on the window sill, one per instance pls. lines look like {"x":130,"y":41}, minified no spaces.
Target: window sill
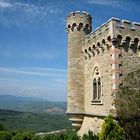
{"x":96,"y":102}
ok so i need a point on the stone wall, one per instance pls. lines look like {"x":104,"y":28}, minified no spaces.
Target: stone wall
{"x":104,"y":65}
{"x":91,"y":123}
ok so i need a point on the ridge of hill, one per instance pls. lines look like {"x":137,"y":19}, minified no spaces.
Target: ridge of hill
{"x":29,"y":104}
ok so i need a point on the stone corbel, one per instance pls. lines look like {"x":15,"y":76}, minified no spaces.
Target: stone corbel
{"x":106,"y":46}
{"x":90,"y":52}
{"x":139,"y":46}
{"x":86,"y":54}
{"x":114,"y":42}
{"x":131,"y":43}
{"x":101,"y":48}
{"x":123,"y":42}
{"x":96,"y":51}
{"x":83,"y":51}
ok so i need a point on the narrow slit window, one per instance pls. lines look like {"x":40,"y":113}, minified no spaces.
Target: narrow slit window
{"x":94,"y":89}
{"x":99,"y":88}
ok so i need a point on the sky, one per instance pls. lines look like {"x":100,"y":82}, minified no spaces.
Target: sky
{"x":33,"y":42}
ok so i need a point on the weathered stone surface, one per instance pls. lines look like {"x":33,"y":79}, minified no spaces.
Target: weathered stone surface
{"x":113,"y":48}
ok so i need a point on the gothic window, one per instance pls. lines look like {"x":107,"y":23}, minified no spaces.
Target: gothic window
{"x":96,"y":85}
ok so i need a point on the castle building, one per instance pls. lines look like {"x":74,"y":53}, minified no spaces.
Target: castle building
{"x":98,"y":62}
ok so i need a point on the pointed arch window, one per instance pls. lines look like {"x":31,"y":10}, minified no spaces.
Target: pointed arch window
{"x":96,"y":85}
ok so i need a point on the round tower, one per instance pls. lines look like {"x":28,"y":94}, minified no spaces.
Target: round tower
{"x":78,"y":26}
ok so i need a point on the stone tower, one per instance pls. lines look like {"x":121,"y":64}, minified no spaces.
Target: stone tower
{"x":98,"y":63}
{"x":78,"y":26}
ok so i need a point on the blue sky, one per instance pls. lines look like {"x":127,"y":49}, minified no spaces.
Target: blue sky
{"x":33,"y":42}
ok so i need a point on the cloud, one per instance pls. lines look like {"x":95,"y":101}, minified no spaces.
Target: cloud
{"x":122,"y":5}
{"x":29,"y":7}
{"x":42,"y":55}
{"x":48,"y":72}
{"x":5,"y":4}
{"x":104,"y":2}
{"x":49,"y":83}
{"x":53,"y":94}
{"x":6,"y":79}
{"x":26,"y":12}
{"x":9,"y":52}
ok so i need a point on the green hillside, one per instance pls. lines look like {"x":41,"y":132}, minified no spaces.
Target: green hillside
{"x":38,"y":122}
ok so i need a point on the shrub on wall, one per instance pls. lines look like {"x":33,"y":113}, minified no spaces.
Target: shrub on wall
{"x":111,"y":130}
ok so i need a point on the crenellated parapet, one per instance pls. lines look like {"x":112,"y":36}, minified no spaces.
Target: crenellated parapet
{"x":127,"y":33}
{"x":117,"y":32}
{"x":77,"y":21}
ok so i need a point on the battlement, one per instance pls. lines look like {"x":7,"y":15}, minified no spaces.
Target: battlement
{"x":117,"y":23}
{"x":79,"y":20}
{"x":126,"y":24}
{"x":78,"y":14}
{"x":113,"y":31}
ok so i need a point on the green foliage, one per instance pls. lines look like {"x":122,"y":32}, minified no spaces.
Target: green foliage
{"x":53,"y":137}
{"x":132,"y":79}
{"x":4,"y":135}
{"x":18,"y":136}
{"x":25,"y":121}
{"x":71,"y":135}
{"x":111,"y":130}
{"x":127,"y":105}
{"x":23,"y":136}
{"x":68,"y":135}
{"x":1,"y":127}
{"x":90,"y":136}
{"x":128,"y":110}
{"x":36,"y":137}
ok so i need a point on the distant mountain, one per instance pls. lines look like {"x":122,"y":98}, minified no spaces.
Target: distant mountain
{"x":14,"y":98}
{"x":37,"y":122}
{"x":31,"y":104}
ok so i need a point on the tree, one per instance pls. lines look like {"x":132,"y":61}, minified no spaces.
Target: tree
{"x":1,"y":127}
{"x":4,"y":135}
{"x":111,"y":130}
{"x":127,"y":105}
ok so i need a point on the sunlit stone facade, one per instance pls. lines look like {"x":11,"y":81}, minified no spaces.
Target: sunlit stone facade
{"x":97,"y":64}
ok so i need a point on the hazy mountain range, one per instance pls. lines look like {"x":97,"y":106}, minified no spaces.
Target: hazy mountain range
{"x":31,"y":104}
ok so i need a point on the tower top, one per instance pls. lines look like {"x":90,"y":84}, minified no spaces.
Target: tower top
{"x":78,"y":14}
{"x":80,"y":20}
